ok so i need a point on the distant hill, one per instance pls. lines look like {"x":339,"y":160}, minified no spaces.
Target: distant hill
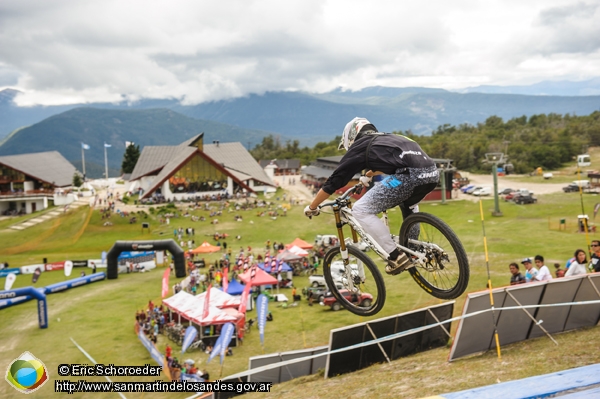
{"x":65,"y":133}
{"x":311,"y":118}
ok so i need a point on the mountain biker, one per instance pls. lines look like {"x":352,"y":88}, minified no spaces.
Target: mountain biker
{"x":412,"y":174}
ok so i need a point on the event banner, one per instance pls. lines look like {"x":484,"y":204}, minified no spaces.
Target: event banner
{"x":165,"y":282}
{"x":262,"y":307}
{"x":36,"y":275}
{"x":6,"y":272}
{"x":68,"y":268}
{"x":54,"y":266}
{"x":154,"y":353}
{"x":244,"y":299}
{"x":80,"y":263}
{"x":227,"y":334}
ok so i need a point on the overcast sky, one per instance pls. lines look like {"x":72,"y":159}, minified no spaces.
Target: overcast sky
{"x":86,"y":51}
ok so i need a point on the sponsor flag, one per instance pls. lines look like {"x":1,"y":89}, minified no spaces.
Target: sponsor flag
{"x":262,"y":307}
{"x":85,"y":146}
{"x":36,"y":275}
{"x":280,"y":268}
{"x":154,"y":353}
{"x":273,"y":266}
{"x":225,"y":282}
{"x":103,"y":256}
{"x":10,"y":279}
{"x":107,"y":145}
{"x":68,"y":268}
{"x":206,"y":302}
{"x":165,"y":282}
{"x":188,"y":338}
{"x":596,"y":207}
{"x":244,"y":299}
{"x":217,"y":348}
{"x":227,"y":334}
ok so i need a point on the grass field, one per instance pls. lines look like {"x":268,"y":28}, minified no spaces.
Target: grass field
{"x":100,"y":316}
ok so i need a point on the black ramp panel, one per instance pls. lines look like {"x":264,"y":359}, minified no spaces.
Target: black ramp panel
{"x":436,"y":337}
{"x":408,"y":344}
{"x":554,"y":318}
{"x":381,"y":328}
{"x":475,"y":333}
{"x":345,"y":361}
{"x":355,"y":359}
{"x":295,"y":370}
{"x":514,"y":325}
{"x":319,"y":362}
{"x":585,"y":315}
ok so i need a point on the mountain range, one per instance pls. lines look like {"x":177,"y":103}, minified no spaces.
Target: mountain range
{"x":306,"y":117}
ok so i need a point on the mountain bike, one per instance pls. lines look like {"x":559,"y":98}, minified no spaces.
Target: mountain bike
{"x":440,"y":264}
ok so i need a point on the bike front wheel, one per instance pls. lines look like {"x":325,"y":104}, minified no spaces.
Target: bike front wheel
{"x":444,"y":271}
{"x":359,"y":287}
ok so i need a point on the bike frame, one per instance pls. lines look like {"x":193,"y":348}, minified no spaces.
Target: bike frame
{"x":342,"y":211}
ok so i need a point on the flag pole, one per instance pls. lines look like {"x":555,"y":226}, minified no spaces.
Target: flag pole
{"x":105,"y":165}
{"x":83,"y":160}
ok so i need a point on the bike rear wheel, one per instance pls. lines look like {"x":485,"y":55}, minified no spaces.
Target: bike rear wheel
{"x":445,"y":274}
{"x":367,"y":285}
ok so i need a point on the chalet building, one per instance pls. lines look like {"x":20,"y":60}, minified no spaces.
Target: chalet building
{"x":29,"y":181}
{"x":283,"y":167}
{"x":193,"y":169}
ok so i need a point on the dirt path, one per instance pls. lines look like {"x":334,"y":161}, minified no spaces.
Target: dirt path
{"x":298,"y":191}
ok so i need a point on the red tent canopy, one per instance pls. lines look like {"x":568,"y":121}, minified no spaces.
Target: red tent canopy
{"x":299,"y":243}
{"x":205,"y":248}
{"x":261,"y":278}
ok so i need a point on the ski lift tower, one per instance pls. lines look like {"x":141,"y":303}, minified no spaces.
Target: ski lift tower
{"x":495,"y":158}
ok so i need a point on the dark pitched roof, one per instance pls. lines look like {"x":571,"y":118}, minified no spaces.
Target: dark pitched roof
{"x":282,"y":163}
{"x":235,"y":156}
{"x":50,"y":167}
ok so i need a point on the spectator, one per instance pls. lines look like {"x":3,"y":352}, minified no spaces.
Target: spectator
{"x":578,"y":266}
{"x":544,"y":273}
{"x":516,"y":276}
{"x":559,"y":272}
{"x":595,"y":265}
{"x":531,"y":271}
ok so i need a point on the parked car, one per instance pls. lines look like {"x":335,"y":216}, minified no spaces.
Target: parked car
{"x":318,"y":293}
{"x":482,"y":192}
{"x":505,"y":191}
{"x":467,"y":187}
{"x":337,"y":267}
{"x":523,"y":198}
{"x":326,"y":240}
{"x":473,"y":189}
{"x":571,"y":188}
{"x":363,"y":299}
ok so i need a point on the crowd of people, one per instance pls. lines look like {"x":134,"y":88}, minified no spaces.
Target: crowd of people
{"x":576,"y":265}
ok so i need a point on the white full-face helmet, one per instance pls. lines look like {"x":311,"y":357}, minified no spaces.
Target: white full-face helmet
{"x":351,"y":131}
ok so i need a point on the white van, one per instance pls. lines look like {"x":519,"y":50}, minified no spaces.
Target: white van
{"x":583,"y":160}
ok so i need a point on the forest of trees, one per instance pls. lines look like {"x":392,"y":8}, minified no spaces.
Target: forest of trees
{"x":547,"y":141}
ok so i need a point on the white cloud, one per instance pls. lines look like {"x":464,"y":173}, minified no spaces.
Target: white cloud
{"x":63,"y":51}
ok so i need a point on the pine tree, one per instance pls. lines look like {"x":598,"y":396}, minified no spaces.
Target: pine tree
{"x":130,"y":158}
{"x":77,"y":180}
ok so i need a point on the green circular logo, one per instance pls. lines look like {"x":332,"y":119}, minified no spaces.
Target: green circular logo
{"x":26,"y":373}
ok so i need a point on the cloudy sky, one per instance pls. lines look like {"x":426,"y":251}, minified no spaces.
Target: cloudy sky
{"x":68,"y":51}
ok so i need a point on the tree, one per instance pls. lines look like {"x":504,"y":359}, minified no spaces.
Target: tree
{"x":130,"y":158}
{"x":77,"y":181}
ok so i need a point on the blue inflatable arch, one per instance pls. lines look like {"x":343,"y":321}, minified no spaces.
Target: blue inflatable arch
{"x":31,"y":292}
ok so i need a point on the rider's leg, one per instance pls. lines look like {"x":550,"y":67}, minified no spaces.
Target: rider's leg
{"x":389,"y":193}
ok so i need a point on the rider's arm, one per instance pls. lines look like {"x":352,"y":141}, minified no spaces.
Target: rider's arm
{"x":320,"y":197}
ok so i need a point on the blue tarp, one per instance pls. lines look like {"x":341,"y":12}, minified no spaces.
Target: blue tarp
{"x":235,"y":288}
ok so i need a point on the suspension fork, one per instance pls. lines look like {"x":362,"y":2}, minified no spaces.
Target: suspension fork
{"x":339,"y":225}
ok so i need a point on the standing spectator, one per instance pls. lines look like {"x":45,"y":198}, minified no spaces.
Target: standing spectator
{"x":578,"y":266}
{"x":531,"y":271}
{"x":516,"y":276}
{"x":595,"y":265}
{"x":544,"y":273}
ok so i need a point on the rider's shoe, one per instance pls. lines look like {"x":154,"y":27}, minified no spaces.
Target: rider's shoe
{"x":399,"y":265}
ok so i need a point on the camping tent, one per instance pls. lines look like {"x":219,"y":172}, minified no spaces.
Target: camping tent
{"x":205,"y":248}
{"x":261,"y":278}
{"x":299,"y":243}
